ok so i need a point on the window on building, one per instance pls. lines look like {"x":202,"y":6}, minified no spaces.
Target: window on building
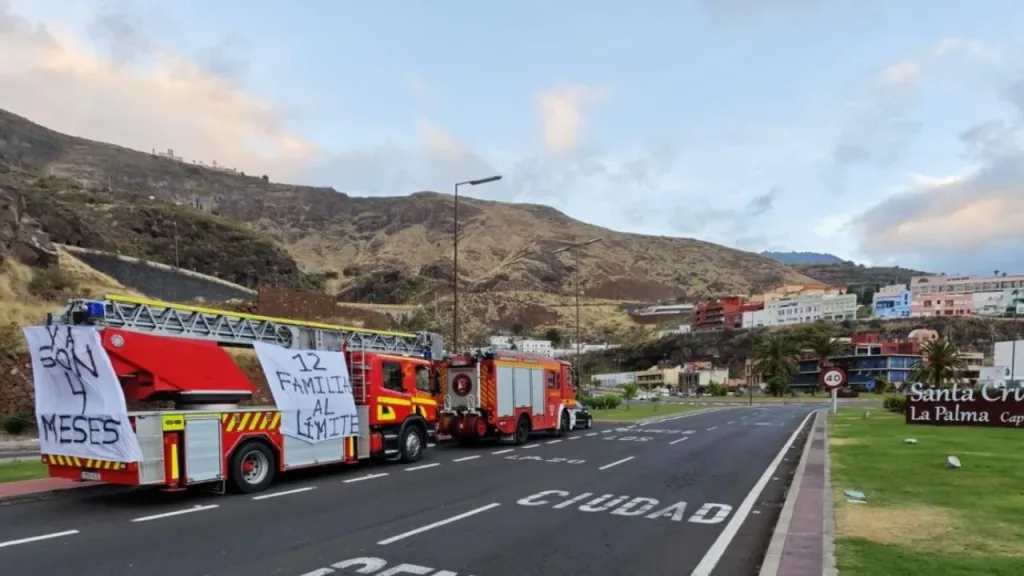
{"x":391,"y":373}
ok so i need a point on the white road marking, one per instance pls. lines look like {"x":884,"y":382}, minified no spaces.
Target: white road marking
{"x":367,"y":477}
{"x":285,"y":493}
{"x":320,"y":572}
{"x":592,"y":434}
{"x":763,"y":424}
{"x":730,"y":421}
{"x":718,"y":549}
{"x":616,"y":463}
{"x":422,"y":529}
{"x":554,"y":441}
{"x":423,"y":467}
{"x":531,"y":446}
{"x":506,"y":451}
{"x":606,"y":431}
{"x":38,"y":538}
{"x":575,"y":437}
{"x":464,"y":458}
{"x":430,"y":445}
{"x":712,"y":428}
{"x":177,"y":513}
{"x":679,"y":440}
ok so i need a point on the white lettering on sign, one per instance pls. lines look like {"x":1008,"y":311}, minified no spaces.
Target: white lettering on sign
{"x":312,"y":391}
{"x":539,"y":459}
{"x":637,"y":507}
{"x":630,"y":438}
{"x":80,"y":406}
{"x":376,"y":567}
{"x":944,"y":414}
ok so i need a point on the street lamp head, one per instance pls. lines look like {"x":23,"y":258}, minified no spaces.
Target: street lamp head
{"x":487,"y":180}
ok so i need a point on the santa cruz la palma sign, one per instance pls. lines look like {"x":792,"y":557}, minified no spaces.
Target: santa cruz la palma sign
{"x":957,"y":406}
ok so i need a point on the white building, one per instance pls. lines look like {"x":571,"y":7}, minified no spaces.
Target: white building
{"x":1010,"y":355}
{"x":539,"y":347}
{"x":682,"y":329}
{"x":810,"y":308}
{"x":614,"y":379}
{"x":889,"y":291}
{"x":754,"y":319}
{"x":500,"y":342}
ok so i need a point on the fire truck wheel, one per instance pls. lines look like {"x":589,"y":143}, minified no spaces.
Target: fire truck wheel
{"x":411,"y":444}
{"x":565,"y":424}
{"x":252,"y":467}
{"x":523,"y":430}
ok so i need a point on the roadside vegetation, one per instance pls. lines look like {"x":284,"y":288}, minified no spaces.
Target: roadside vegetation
{"x":21,"y":470}
{"x":922,"y":517}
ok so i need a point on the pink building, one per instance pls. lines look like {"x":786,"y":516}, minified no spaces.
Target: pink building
{"x":955,"y":295}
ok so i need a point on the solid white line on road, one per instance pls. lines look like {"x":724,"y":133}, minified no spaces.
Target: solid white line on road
{"x":531,"y":446}
{"x":505,"y":451}
{"x":367,"y":477}
{"x":554,"y":441}
{"x":38,"y":538}
{"x":423,"y":467}
{"x":616,"y":463}
{"x":285,"y":493}
{"x":718,"y":549}
{"x":177,"y":513}
{"x":422,"y":529}
{"x":712,"y":428}
{"x":592,"y":434}
{"x":464,"y":458}
{"x":679,"y":440}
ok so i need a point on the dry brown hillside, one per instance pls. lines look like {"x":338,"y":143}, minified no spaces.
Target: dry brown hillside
{"x":393,"y":249}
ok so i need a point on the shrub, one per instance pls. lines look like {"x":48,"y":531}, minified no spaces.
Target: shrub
{"x":52,"y":283}
{"x":15,"y":423}
{"x":606,"y":402}
{"x":896,"y":403}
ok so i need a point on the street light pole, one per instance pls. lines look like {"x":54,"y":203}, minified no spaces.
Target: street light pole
{"x":576,"y":253}
{"x":455,"y":257}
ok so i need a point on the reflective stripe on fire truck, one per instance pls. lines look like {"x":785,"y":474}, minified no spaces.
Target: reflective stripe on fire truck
{"x":83,"y":462}
{"x":386,"y":413}
{"x":250,"y":421}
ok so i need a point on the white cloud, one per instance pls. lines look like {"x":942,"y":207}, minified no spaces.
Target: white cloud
{"x":561,"y":110}
{"x":901,"y":72}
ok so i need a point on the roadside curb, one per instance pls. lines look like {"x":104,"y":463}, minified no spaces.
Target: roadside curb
{"x":772,"y":563}
{"x":85,"y":489}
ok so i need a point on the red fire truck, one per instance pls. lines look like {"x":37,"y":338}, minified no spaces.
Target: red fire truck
{"x":178,"y":355}
{"x":506,"y":394}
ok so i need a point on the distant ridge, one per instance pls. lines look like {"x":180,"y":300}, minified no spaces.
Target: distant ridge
{"x":803,"y":257}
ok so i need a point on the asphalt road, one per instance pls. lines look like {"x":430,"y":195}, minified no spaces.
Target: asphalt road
{"x":673,"y":497}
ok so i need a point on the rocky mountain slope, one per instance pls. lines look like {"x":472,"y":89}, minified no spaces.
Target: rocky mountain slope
{"x":858,"y":275}
{"x":246,"y":229}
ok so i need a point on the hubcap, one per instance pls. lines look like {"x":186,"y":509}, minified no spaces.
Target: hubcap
{"x":255,"y":467}
{"x":412,"y":444}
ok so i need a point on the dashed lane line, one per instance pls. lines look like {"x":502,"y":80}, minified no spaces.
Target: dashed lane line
{"x":679,"y":440}
{"x":423,"y":467}
{"x":464,"y":458}
{"x":284,"y":493}
{"x":39,"y":538}
{"x":367,"y":477}
{"x":439,"y":523}
{"x":505,"y":451}
{"x":176,"y":513}
{"x":616,"y":463}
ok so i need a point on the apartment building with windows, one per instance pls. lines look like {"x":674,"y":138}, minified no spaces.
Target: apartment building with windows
{"x":891,"y":301}
{"x":962,"y":295}
{"x":719,"y":314}
{"x":810,"y":308}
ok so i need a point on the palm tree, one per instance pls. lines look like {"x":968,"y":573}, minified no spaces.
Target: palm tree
{"x":775,"y":361}
{"x":825,"y":348}
{"x":940,"y":363}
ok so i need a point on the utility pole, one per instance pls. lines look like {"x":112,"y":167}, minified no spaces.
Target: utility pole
{"x":455,"y":257}
{"x":576,"y":252}
{"x":177,"y":262}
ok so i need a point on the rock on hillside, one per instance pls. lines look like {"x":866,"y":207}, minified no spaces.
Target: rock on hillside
{"x":503,"y":246}
{"x":20,"y":236}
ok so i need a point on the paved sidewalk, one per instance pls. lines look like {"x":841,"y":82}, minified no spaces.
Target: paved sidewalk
{"x":10,"y":490}
{"x":804,"y":538}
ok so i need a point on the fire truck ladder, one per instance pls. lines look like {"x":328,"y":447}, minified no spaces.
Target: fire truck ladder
{"x":238,"y":329}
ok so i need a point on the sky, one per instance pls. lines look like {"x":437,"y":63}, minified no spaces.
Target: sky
{"x":883,"y":132}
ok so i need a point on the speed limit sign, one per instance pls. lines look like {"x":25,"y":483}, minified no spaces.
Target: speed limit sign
{"x":833,"y":377}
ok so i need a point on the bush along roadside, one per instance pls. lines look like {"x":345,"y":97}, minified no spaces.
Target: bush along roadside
{"x":16,"y":423}
{"x":895,"y":403}
{"x":606,"y":402}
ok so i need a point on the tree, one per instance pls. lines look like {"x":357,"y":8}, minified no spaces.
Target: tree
{"x":629,"y":392}
{"x":825,"y":348}
{"x":775,"y":361}
{"x":554,"y":336}
{"x":940,"y":364}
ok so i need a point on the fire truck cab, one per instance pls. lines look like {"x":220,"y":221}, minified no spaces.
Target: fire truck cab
{"x":506,"y":394}
{"x":178,"y":356}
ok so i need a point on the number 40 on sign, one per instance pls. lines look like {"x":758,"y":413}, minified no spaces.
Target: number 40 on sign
{"x":833,"y":377}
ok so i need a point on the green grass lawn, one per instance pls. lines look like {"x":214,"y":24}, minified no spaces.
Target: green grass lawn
{"x":644,"y":410}
{"x":22,"y":470}
{"x":922,"y":518}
